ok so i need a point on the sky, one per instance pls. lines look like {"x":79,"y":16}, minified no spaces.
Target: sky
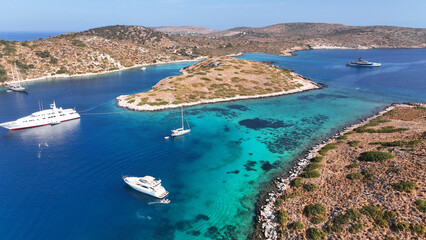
{"x":78,"y":15}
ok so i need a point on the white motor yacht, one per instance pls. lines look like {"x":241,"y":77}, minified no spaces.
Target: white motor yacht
{"x":148,"y":185}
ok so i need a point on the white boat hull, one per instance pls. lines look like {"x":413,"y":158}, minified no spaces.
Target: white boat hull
{"x":364,"y":65}
{"x":132,"y":182}
{"x":42,"y":118}
{"x":180,"y":132}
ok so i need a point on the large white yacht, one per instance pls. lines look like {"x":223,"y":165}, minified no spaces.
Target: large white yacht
{"x":148,"y":185}
{"x":50,"y":116}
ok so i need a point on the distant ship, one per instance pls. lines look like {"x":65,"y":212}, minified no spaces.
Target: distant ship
{"x":50,"y":116}
{"x":148,"y":185}
{"x":362,"y":63}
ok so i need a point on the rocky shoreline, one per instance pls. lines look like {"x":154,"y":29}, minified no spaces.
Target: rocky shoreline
{"x":265,"y":219}
{"x":61,"y":76}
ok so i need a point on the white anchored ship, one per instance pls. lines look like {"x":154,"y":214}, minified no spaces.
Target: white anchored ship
{"x":148,"y":185}
{"x":50,"y":116}
{"x":363,"y":63}
{"x":181,"y":131}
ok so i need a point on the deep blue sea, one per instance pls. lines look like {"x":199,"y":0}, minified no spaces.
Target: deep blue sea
{"x":26,"y":36}
{"x":64,"y":181}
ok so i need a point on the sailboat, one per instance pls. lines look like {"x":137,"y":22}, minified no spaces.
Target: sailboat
{"x":181,"y":131}
{"x":16,"y":86}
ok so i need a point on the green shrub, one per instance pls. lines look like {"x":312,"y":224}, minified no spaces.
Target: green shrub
{"x":394,"y":170}
{"x":421,"y":205}
{"x":381,"y":222}
{"x":356,"y":228}
{"x":341,"y":219}
{"x":343,"y":137}
{"x":374,"y":156}
{"x":353,"y":165}
{"x":310,"y":187}
{"x":389,"y":215}
{"x":61,"y":71}
{"x":282,"y":217}
{"x":327,"y":148}
{"x":376,"y":122}
{"x":205,"y":79}
{"x":314,"y":210}
{"x":279,"y":202}
{"x":404,"y":186}
{"x":310,"y":174}
{"x":78,"y":43}
{"x":317,"y":159}
{"x":354,"y":143}
{"x":314,"y":233}
{"x":297,"y":226}
{"x":372,"y":211}
{"x":353,"y":214}
{"x":312,"y":167}
{"x":337,"y":228}
{"x":318,"y":219}
{"x":290,"y":195}
{"x":418,"y":229}
{"x":399,"y":227}
{"x":353,"y":176}
{"x":297,"y":182}
{"x":43,"y":54}
{"x":219,"y":79}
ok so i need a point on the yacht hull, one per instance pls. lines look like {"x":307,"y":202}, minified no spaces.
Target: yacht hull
{"x":13,"y":127}
{"x":42,"y":118}
{"x":364,"y":65}
{"x":160,"y":194}
{"x":181,"y":132}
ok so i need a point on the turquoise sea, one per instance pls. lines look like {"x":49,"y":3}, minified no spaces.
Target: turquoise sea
{"x":64,"y":181}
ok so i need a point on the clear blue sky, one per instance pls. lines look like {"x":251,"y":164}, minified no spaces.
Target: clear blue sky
{"x":77,"y":15}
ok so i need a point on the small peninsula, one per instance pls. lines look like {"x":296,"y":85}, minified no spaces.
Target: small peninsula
{"x":217,"y":79}
{"x":368,"y":183}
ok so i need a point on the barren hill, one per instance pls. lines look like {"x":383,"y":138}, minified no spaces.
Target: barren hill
{"x":215,"y":80}
{"x":117,"y":47}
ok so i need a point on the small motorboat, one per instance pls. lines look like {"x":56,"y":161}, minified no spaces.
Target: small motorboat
{"x":162,"y":201}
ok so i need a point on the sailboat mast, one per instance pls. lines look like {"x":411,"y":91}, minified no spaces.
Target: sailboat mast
{"x":13,"y":75}
{"x":181,"y":110}
{"x":17,"y":76}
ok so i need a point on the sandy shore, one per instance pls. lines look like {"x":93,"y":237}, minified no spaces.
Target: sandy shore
{"x":266,"y":220}
{"x":307,"y":85}
{"x":60,"y":76}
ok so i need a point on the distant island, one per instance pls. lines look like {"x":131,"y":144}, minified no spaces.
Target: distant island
{"x":217,"y":79}
{"x":113,"y":48}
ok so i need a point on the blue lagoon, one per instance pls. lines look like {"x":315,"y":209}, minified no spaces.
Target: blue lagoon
{"x":64,"y":181}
